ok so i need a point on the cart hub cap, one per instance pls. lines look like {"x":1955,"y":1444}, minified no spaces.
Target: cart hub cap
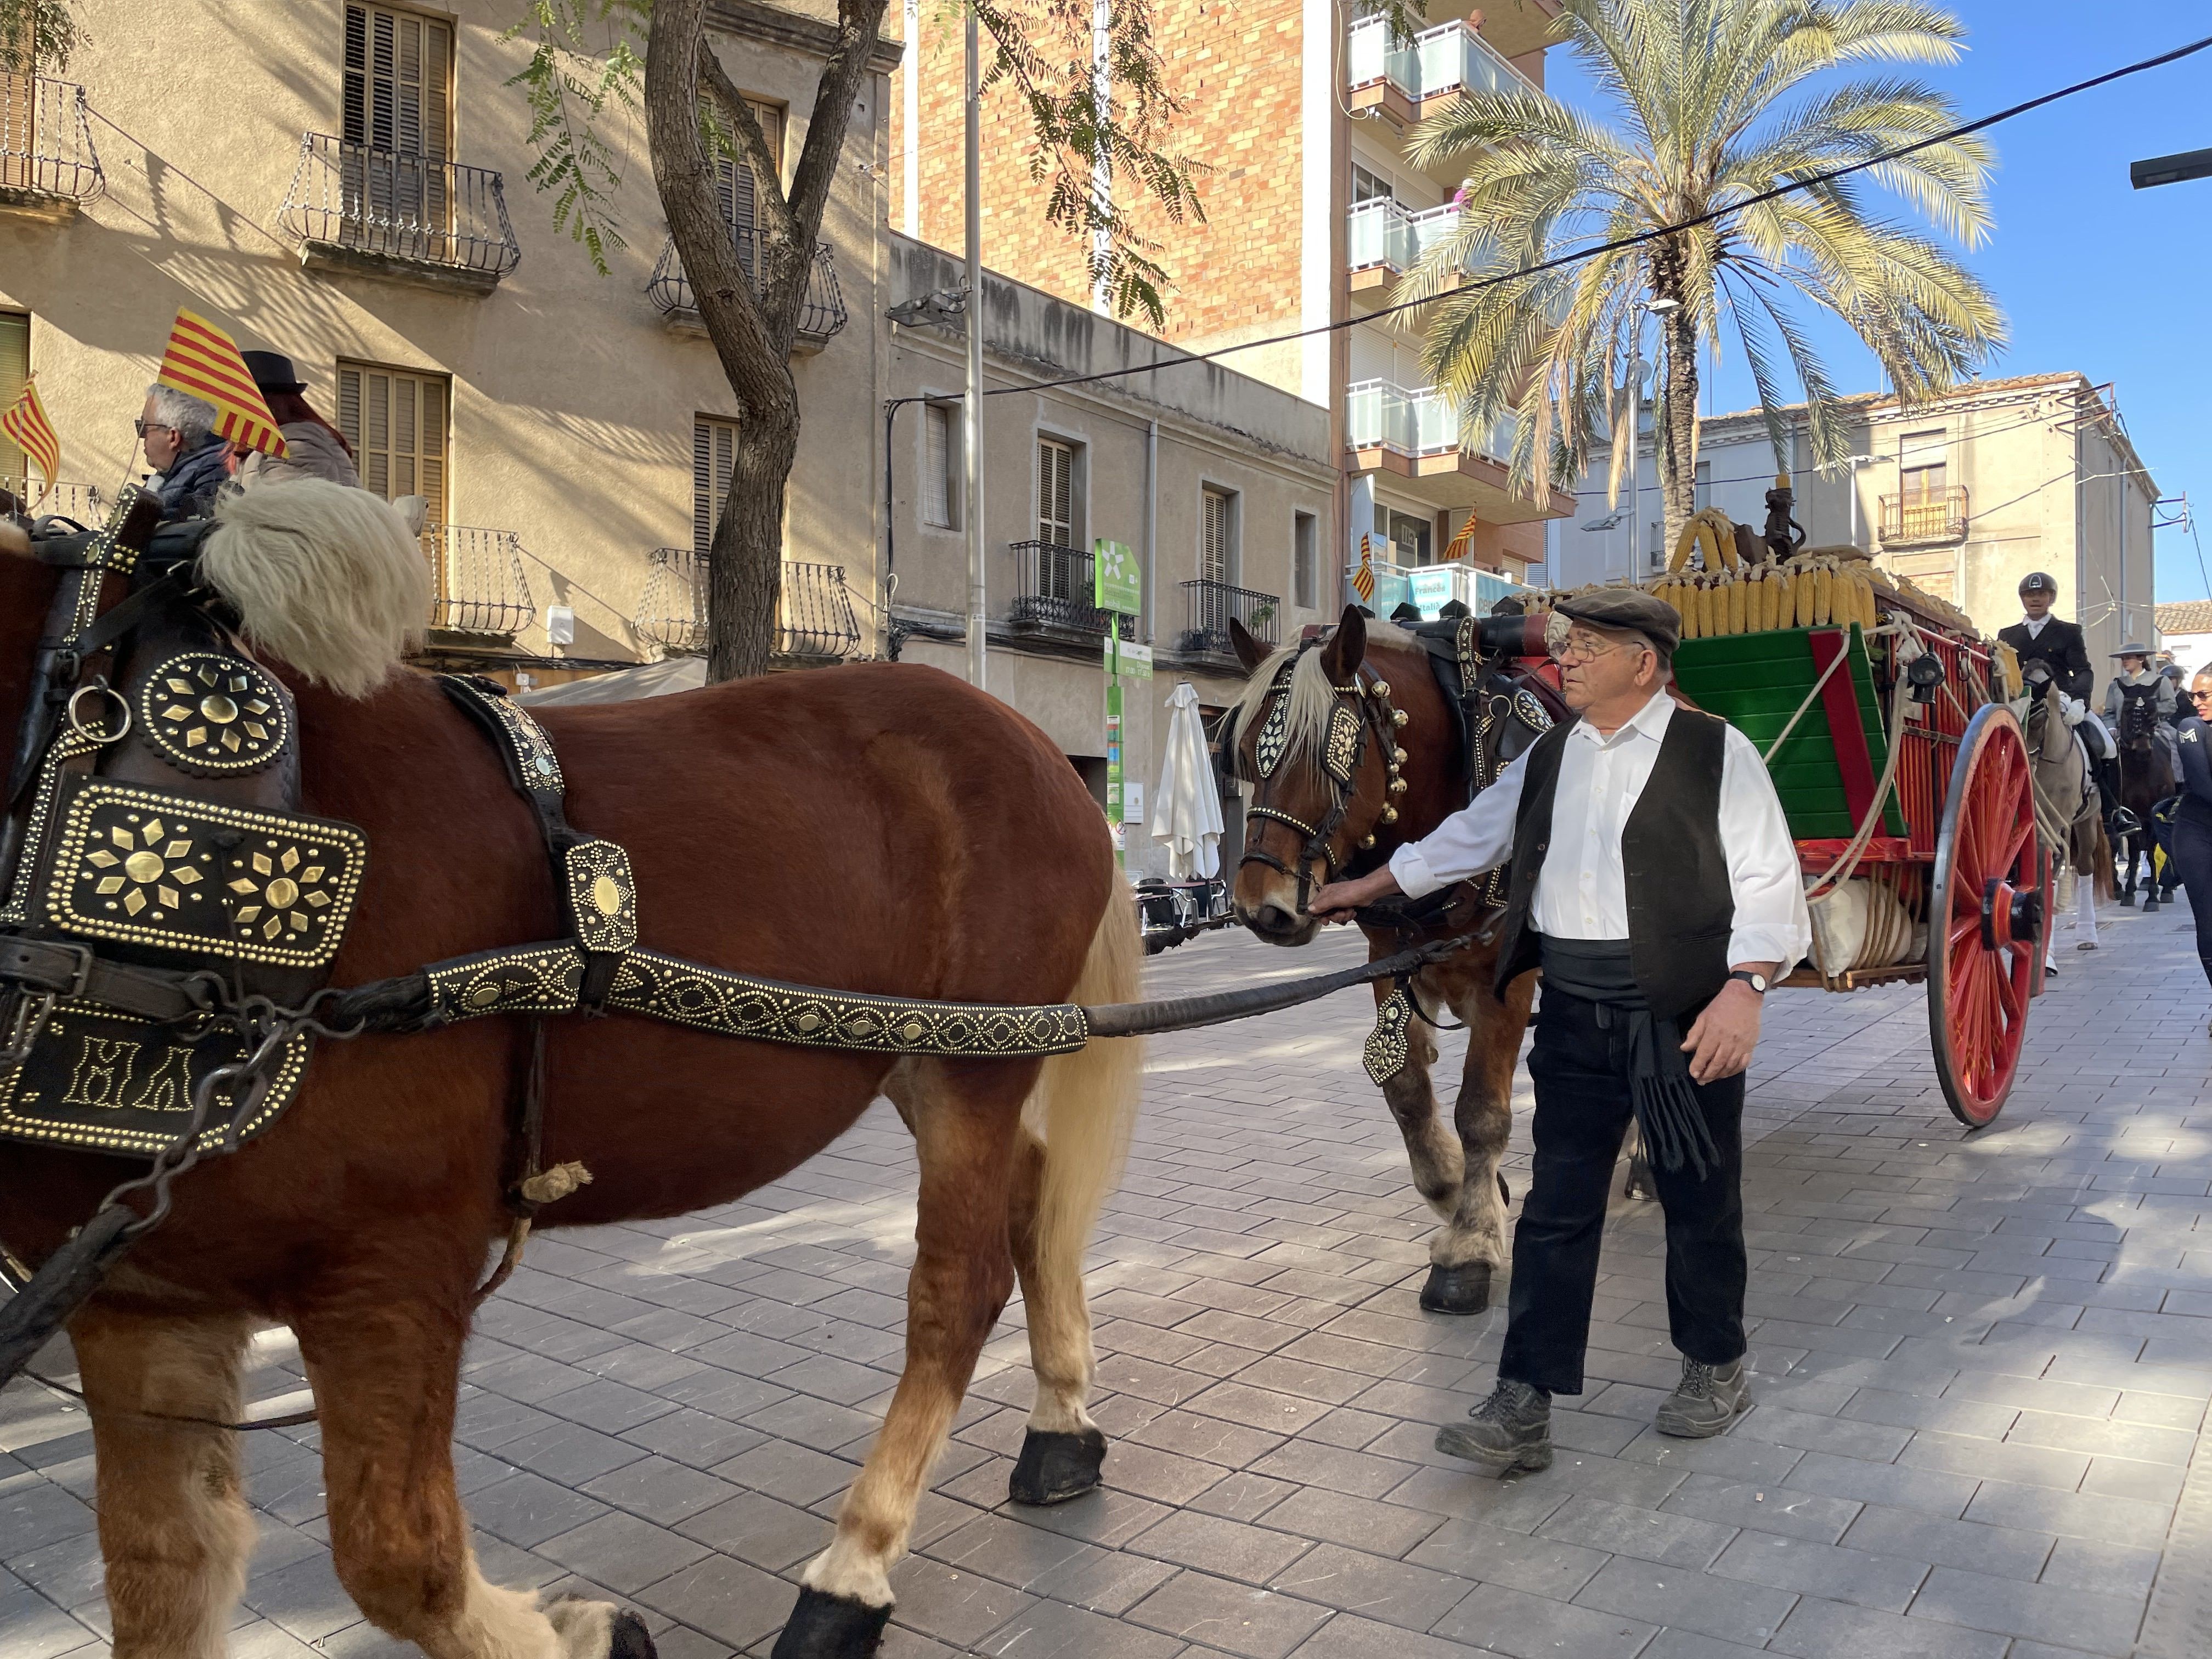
{"x":2010,"y":915}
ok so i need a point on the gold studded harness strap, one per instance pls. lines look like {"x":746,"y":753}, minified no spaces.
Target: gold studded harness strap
{"x":591,"y":879}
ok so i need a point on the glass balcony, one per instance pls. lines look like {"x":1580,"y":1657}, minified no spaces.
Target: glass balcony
{"x":1373,"y":55}
{"x":1383,"y":235}
{"x":1436,"y":62}
{"x":1417,"y":421}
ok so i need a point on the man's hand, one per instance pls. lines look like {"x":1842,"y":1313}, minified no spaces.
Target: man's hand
{"x":1720,"y":1043}
{"x":1337,"y":901}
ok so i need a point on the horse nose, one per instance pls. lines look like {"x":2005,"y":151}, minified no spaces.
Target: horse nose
{"x":1273,"y":919}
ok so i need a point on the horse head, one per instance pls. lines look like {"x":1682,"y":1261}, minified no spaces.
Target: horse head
{"x":1346,"y":744}
{"x":2138,"y":716}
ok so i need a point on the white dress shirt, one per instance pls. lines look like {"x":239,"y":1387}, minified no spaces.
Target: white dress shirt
{"x":2034,"y":625}
{"x":1582,"y":890}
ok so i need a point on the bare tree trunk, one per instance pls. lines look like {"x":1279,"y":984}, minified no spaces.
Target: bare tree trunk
{"x":1674,"y":430}
{"x":750,"y":320}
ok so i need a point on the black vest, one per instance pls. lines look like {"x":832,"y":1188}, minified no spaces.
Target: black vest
{"x":1681,"y":907}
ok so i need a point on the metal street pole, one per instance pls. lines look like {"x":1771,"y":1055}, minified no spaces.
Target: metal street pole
{"x":1635,"y":444}
{"x":977,"y":610}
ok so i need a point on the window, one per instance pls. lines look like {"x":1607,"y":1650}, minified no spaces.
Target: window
{"x":1702,"y":490}
{"x":1305,"y":557}
{"x":395,"y":420}
{"x":1370,"y":187}
{"x":713,"y":456}
{"x":1217,"y":535}
{"x":1412,"y":536}
{"x":1921,"y":478}
{"x":735,"y":187}
{"x":1056,"y":486}
{"x":19,"y":95}
{"x":398,"y":82}
{"x":14,"y":369}
{"x":941,"y":465}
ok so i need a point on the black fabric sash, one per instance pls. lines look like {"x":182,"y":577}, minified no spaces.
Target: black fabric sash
{"x":1599,"y":971}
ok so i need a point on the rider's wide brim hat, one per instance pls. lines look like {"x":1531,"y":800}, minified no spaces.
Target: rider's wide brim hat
{"x":2132,"y":649}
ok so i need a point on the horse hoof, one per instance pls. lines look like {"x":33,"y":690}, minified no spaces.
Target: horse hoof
{"x":1457,"y":1289}
{"x":2150,"y":907}
{"x":584,"y":1626}
{"x":2127,"y":901}
{"x":628,"y":1637}
{"x":1055,"y":1467}
{"x":831,"y":1627}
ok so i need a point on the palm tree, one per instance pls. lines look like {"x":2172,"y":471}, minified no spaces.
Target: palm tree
{"x":1713,"y":110}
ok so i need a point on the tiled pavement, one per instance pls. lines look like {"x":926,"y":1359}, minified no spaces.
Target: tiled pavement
{"x":1983,"y":1364}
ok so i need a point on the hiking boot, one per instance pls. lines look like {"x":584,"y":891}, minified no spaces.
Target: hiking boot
{"x":1512,"y":1430}
{"x":1707,"y":1400}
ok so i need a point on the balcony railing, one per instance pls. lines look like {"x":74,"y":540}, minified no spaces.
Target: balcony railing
{"x":481,"y":586}
{"x":383,"y":205}
{"x":79,"y":501}
{"x":1940,"y":515}
{"x":1418,"y":421}
{"x":1053,"y":589}
{"x":1451,"y":58}
{"x":816,"y":620}
{"x":46,"y":157}
{"x":821,"y":314}
{"x":1207,"y":608}
{"x":1384,"y":235}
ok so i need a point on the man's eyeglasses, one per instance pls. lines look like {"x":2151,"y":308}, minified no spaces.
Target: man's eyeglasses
{"x":1583,"y":648}
{"x":142,"y":427}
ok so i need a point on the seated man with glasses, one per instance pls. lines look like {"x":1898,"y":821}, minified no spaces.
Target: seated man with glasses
{"x":187,"y":458}
{"x":1654,"y":882}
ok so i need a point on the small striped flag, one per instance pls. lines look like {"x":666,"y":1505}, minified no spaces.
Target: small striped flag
{"x":203,"y":361}
{"x":1456,"y":549}
{"x":27,"y":423}
{"x":1363,"y":579}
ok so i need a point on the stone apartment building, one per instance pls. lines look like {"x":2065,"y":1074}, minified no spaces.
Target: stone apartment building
{"x":1302,"y":114}
{"x":1966,"y":495}
{"x":359,"y":202}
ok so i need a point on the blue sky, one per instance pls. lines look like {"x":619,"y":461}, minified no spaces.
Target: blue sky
{"x":2092,"y":274}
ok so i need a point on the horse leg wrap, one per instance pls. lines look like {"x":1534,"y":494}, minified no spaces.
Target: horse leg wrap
{"x":1462,"y":1290}
{"x":1056,"y":1466}
{"x":831,"y":1627}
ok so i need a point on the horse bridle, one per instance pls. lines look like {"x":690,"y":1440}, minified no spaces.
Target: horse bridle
{"x":1343,"y":749}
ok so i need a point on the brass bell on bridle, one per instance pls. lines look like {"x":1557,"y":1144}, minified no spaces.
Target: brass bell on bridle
{"x":1398,"y":718}
{"x":1367,"y":839}
{"x":1397,"y":756}
{"x":1380,"y":689}
{"x":1397,"y":786}
{"x":1389,"y":815}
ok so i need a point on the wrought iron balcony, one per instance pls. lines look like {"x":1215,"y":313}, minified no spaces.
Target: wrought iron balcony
{"x":387,"y":213}
{"x":1053,"y":589}
{"x":821,"y":313}
{"x":481,"y":587}
{"x":1938,"y":515}
{"x":816,"y":619}
{"x":79,"y":502}
{"x":48,"y":168}
{"x":1207,"y":607}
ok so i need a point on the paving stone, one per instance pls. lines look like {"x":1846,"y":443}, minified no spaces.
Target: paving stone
{"x":724,"y":1598}
{"x":1674,"y":1540}
{"x":1916,"y":1536}
{"x":1231,"y":1549}
{"x":1818,"y":1629}
{"x":1239,"y":1618}
{"x":1780,"y":1509}
{"x":1712,"y":1606}
{"x":1841,"y":1574}
{"x":1393,"y":1592}
{"x":2049,"y":1613}
{"x":1524,"y":1626}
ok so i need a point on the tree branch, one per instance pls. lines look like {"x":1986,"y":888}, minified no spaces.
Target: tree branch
{"x":858,"y":21}
{"x":752,"y":143}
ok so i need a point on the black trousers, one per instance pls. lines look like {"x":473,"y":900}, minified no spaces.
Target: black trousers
{"x":2192,"y":860}
{"x":1581,"y":1071}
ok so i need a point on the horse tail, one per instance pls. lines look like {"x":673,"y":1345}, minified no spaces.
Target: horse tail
{"x":1085,"y":1104}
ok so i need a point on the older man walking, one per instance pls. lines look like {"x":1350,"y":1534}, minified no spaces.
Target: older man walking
{"x":178,"y":430}
{"x":1654,"y":882}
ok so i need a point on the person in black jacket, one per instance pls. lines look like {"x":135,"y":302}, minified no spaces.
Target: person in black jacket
{"x":2039,"y":636}
{"x":2192,"y":819}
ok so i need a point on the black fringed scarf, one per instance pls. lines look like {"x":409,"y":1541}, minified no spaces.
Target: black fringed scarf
{"x":1665,"y":1104}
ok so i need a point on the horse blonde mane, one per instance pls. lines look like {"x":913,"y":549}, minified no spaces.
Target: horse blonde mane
{"x":325,"y":578}
{"x":1313,"y":695}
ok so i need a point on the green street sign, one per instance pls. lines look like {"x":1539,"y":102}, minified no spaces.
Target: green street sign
{"x":1118,"y":581}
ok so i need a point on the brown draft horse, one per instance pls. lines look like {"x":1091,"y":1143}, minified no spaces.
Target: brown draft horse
{"x":872,"y":827}
{"x":1455,"y":1168}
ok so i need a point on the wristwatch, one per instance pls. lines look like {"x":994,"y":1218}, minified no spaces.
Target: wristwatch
{"x":1757,"y":981}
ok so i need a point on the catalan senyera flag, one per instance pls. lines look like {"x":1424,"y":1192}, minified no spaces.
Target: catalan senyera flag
{"x":1457,"y":548}
{"x":27,"y":423}
{"x":203,"y":361}
{"x":1363,"y":579}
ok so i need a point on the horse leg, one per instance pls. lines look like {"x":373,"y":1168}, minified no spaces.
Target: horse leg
{"x":386,"y":1368}
{"x":1472,"y":1247}
{"x":1431,"y":1150}
{"x":174,"y":1532}
{"x":966,"y":1119}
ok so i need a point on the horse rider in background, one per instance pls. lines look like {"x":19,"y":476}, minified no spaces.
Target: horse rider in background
{"x":2192,"y":819}
{"x":2138,"y":677}
{"x":2061,"y":646}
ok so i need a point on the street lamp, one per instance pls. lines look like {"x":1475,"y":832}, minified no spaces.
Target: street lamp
{"x":2170,"y":169}
{"x":1636,"y":368}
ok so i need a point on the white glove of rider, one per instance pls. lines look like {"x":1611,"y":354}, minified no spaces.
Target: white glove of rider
{"x":2070,"y":709}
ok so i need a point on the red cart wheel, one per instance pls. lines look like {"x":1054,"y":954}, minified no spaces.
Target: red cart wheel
{"x":1986,"y":910}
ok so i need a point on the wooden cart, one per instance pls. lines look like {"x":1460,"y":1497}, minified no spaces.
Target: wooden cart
{"x":1954,"y":849}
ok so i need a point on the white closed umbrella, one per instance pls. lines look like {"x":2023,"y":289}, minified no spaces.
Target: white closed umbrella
{"x":1187,"y":808}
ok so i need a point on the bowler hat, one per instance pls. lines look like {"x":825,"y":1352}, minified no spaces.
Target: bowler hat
{"x":1630,"y":609}
{"x":272,"y":371}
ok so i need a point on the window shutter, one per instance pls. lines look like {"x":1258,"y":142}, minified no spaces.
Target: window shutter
{"x":14,"y":369}
{"x":1055,"y":493}
{"x":713,"y":456}
{"x":937,"y":465}
{"x":397,"y":425}
{"x":1213,"y":537}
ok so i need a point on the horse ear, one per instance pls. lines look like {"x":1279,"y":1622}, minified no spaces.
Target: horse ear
{"x":1347,"y":647}
{"x":1249,"y":651}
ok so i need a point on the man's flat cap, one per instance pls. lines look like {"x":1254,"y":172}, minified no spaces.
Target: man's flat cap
{"x":1629,"y":608}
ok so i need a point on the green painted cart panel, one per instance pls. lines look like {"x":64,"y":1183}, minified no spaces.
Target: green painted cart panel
{"x":1756,"y":682}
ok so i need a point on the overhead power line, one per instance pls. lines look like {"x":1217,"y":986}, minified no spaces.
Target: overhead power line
{"x":1656,"y":233}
